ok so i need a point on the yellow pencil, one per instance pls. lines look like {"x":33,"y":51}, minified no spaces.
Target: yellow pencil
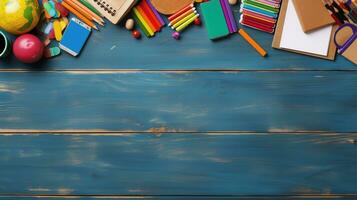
{"x":183,"y":20}
{"x":182,"y":16}
{"x":79,"y":15}
{"x":141,"y":19}
{"x":188,"y":22}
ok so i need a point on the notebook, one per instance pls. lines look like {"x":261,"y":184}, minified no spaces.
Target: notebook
{"x":312,"y":14}
{"x":113,"y":10}
{"x":214,"y":19}
{"x":291,"y":37}
{"x":75,"y":37}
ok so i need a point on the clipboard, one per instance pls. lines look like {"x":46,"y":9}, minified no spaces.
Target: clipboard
{"x":279,"y":30}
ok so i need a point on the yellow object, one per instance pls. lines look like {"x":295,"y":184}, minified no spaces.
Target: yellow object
{"x":19,"y":16}
{"x":58,"y":30}
{"x":147,"y":27}
{"x":188,"y":22}
{"x":63,"y":22}
{"x":188,"y":17}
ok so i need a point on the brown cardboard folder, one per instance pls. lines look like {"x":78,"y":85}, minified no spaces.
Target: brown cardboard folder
{"x":312,"y":14}
{"x":279,"y":30}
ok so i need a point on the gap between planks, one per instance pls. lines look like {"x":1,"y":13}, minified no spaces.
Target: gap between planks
{"x":123,"y":71}
{"x":160,"y":131}
{"x":283,"y":196}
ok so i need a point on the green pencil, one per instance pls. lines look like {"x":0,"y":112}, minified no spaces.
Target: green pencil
{"x":90,"y":7}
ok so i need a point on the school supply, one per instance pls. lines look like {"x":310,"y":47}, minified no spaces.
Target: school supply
{"x":169,"y":7}
{"x":335,"y":11}
{"x":182,"y":19}
{"x":113,"y":10}
{"x":218,"y":18}
{"x":290,"y":37}
{"x":252,"y":42}
{"x":312,"y":14}
{"x":149,"y":21}
{"x":88,"y":13}
{"x":79,"y":15}
{"x":89,"y":6}
{"x":75,"y":37}
{"x":346,"y":41}
{"x":260,"y":14}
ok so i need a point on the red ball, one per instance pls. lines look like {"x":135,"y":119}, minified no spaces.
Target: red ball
{"x":28,"y":48}
{"x":136,"y":34}
{"x":197,"y":21}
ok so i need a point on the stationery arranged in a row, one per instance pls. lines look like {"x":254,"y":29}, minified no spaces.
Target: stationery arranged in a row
{"x":84,"y":12}
{"x":260,"y":14}
{"x":148,"y":18}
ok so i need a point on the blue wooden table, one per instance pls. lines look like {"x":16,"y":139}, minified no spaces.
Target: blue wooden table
{"x":166,"y":119}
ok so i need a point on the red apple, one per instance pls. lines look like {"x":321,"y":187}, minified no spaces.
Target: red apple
{"x":28,"y":48}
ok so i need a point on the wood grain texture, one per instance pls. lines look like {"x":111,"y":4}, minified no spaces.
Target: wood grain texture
{"x":177,"y":102}
{"x":178,"y":164}
{"x":114,"y":48}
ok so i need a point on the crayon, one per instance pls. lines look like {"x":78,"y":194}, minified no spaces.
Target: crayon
{"x":252,"y":42}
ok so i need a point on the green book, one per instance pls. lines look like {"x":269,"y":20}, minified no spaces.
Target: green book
{"x":214,"y":20}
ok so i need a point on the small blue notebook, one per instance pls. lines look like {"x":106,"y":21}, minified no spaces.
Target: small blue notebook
{"x":75,"y":37}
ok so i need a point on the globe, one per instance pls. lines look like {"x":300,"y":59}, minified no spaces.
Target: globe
{"x":19,"y":16}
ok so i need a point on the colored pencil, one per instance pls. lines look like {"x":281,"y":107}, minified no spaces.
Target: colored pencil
{"x":180,"y":12}
{"x":188,"y":22}
{"x":252,"y":42}
{"x":256,"y":26}
{"x":259,"y":21}
{"x":89,"y":6}
{"x":259,"y":16}
{"x":182,"y":16}
{"x":80,"y":8}
{"x":89,"y":11}
{"x":225,"y":12}
{"x":79,"y":15}
{"x":151,"y":14}
{"x":230,"y":16}
{"x":141,"y":19}
{"x":158,"y":16}
{"x":143,"y":28}
{"x":183,"y":20}
{"x":146,"y":18}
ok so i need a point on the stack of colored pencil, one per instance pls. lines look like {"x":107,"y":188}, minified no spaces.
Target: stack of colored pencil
{"x":342,"y":10}
{"x":260,"y":14}
{"x":148,"y":18}
{"x":183,"y":18}
{"x":84,"y":11}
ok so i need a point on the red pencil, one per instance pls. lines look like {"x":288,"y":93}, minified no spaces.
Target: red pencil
{"x":180,"y":12}
{"x":268,"y":24}
{"x":256,"y":26}
{"x":146,"y":18}
{"x":150,"y":14}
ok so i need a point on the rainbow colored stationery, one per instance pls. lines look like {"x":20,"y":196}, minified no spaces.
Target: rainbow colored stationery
{"x":218,"y":18}
{"x":260,"y":14}
{"x":183,"y":18}
{"x":148,"y":18}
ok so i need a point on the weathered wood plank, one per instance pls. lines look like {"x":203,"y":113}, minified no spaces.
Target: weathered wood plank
{"x":198,"y":101}
{"x":178,"y":164}
{"x":114,"y":48}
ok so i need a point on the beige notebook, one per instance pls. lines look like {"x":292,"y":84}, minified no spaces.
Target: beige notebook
{"x":312,"y":14}
{"x":113,"y":10}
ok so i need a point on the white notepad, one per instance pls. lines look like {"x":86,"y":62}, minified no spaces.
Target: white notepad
{"x":294,"y":38}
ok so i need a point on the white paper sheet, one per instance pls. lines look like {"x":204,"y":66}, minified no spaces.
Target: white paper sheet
{"x":294,"y":38}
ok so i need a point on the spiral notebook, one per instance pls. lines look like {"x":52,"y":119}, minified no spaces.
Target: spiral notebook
{"x":113,"y":10}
